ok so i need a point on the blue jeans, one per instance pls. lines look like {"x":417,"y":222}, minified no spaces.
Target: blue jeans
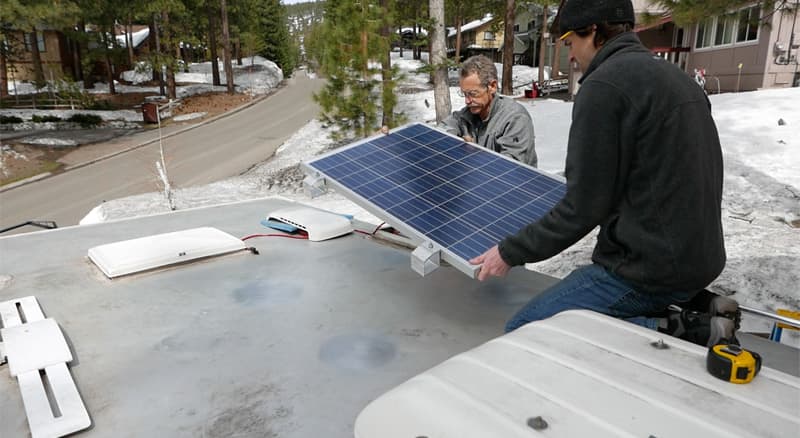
{"x":594,"y":288}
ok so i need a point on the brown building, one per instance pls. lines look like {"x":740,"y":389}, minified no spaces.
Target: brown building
{"x":743,"y":49}
{"x":53,"y":51}
{"x":479,"y":37}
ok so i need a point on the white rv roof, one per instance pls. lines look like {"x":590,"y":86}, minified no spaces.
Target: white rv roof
{"x":292,"y":342}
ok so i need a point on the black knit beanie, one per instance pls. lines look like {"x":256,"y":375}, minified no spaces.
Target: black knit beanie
{"x":578,"y":14}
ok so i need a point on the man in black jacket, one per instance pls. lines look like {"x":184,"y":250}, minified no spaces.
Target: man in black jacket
{"x":644,"y":164}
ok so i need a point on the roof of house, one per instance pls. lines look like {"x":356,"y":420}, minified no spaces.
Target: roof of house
{"x":646,"y":6}
{"x":138,"y":37}
{"x":471,"y":25}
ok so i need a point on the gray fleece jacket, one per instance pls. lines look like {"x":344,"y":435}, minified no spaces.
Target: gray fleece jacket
{"x":509,"y":129}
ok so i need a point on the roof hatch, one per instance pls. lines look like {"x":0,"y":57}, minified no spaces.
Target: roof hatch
{"x":145,"y":253}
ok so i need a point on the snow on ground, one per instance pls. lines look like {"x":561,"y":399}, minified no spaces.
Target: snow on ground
{"x":190,"y":116}
{"x":761,"y":192}
{"x":255,"y":76}
{"x":6,"y":153}
{"x":64,"y":114}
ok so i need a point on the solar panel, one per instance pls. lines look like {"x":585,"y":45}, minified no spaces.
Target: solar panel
{"x":453,"y":198}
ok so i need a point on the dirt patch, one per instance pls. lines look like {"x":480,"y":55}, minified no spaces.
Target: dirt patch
{"x":211,"y":103}
{"x":20,"y":161}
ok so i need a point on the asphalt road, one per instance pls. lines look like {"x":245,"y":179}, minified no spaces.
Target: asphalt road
{"x":214,"y":151}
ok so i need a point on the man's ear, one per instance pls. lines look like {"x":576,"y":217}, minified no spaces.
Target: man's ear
{"x":492,"y":87}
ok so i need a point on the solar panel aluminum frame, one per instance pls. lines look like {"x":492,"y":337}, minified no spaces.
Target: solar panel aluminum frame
{"x":428,"y":253}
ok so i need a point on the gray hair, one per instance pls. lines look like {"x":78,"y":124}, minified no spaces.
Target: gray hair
{"x":482,"y":66}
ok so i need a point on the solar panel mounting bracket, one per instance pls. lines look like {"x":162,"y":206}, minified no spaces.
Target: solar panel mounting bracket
{"x":314,"y":185}
{"x":426,"y":258}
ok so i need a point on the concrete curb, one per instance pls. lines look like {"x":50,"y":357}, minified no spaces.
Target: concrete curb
{"x":22,"y":182}
{"x":42,"y":176}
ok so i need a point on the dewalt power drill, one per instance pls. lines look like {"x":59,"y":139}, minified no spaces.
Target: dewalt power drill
{"x":733,"y":363}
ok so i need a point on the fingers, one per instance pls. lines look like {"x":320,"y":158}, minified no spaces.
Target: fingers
{"x":384,"y":129}
{"x":487,"y":271}
{"x":482,"y":274}
{"x":492,"y":265}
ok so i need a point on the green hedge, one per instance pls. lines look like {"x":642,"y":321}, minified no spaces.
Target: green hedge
{"x":9,"y":120}
{"x":86,"y":120}
{"x":36,"y":118}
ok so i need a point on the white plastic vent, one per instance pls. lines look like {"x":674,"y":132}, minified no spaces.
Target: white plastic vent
{"x":145,"y":253}
{"x":37,"y":354}
{"x":319,"y":224}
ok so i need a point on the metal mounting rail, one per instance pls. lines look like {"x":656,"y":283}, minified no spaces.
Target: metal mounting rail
{"x":774,"y":316}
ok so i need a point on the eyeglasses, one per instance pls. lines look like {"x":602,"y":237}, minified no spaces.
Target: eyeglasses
{"x":472,"y":94}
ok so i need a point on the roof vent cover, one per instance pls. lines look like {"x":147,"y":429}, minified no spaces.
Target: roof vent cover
{"x":145,"y":253}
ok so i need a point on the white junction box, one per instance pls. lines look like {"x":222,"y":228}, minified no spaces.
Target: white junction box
{"x":320,"y":225}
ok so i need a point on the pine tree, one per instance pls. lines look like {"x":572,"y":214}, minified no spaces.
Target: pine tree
{"x":273,"y":29}
{"x":693,"y":11}
{"x":348,"y":40}
{"x":438,"y":59}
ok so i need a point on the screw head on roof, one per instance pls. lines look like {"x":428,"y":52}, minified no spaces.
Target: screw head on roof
{"x":659,"y":344}
{"x":537,"y":423}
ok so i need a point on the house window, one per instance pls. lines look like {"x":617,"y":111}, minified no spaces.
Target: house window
{"x":704,"y":35}
{"x":516,"y":28}
{"x":39,"y":41}
{"x":748,"y":24}
{"x":728,"y":29}
{"x":725,"y":26}
{"x":488,"y":36}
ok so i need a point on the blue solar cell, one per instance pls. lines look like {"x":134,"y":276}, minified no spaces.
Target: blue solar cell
{"x":471,"y":179}
{"x":433,"y":163}
{"x":413,"y":130}
{"x":412,"y":207}
{"x":463,"y":197}
{"x":461,"y":151}
{"x":473,"y":245}
{"x":462,"y":205}
{"x":422,"y":183}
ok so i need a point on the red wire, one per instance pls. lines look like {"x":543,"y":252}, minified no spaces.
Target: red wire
{"x":289,"y":236}
{"x":378,"y":228}
{"x":373,"y":232}
{"x":303,"y":235}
